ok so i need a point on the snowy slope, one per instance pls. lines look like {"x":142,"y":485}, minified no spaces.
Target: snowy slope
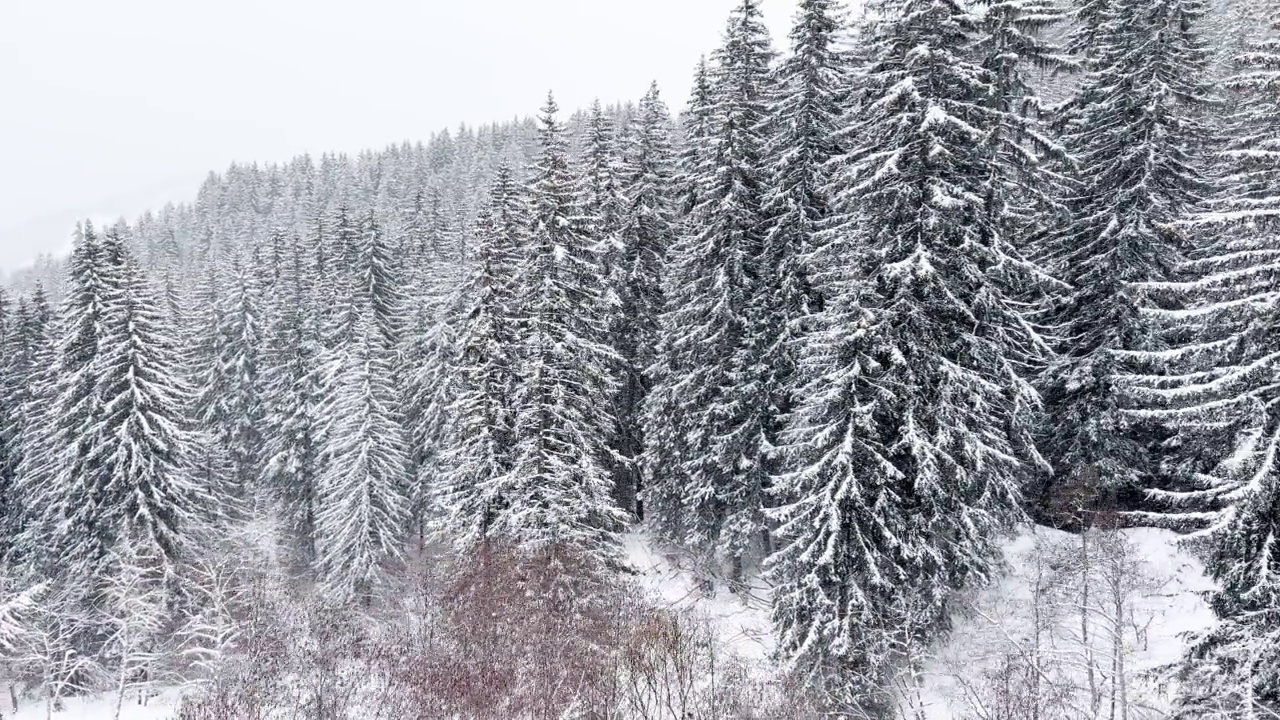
{"x":741,"y":619}
{"x":1162,"y":583}
{"x":1162,"y":587}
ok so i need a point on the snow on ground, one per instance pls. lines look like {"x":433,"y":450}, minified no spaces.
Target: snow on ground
{"x":741,"y":619}
{"x":102,"y":707}
{"x":1165,"y":587}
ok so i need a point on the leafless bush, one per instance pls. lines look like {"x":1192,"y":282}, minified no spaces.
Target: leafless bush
{"x":507,"y":634}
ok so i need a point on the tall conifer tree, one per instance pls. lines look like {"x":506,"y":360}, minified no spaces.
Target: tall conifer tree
{"x":560,"y":490}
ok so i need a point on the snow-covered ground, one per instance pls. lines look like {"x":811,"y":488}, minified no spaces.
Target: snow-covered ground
{"x":1163,"y":602}
{"x":741,"y":619}
{"x":1163,"y":584}
{"x":1162,"y":588}
{"x":162,"y":707}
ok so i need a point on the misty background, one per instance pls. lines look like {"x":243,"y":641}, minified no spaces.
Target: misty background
{"x":113,"y":108}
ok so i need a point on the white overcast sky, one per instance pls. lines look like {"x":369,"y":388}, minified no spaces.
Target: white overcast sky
{"x":109,"y":107}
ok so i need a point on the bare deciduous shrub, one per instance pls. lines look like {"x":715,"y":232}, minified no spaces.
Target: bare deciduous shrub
{"x":507,"y":634}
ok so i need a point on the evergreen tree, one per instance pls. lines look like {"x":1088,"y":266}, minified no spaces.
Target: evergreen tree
{"x":10,"y":429}
{"x":1214,"y":391}
{"x":240,"y":407}
{"x":601,"y":202}
{"x":559,"y":490}
{"x":431,"y":354}
{"x":146,"y":497}
{"x":845,"y":535}
{"x":362,"y":500}
{"x":228,"y":407}
{"x":59,"y":474}
{"x":119,"y":472}
{"x":414,"y":241}
{"x":429,"y":342}
{"x":666,"y":427}
{"x":720,"y":398}
{"x":1136,"y":138}
{"x":202,"y":326}
{"x":1024,"y":200}
{"x":695,"y":149}
{"x":479,"y":455}
{"x":1232,"y":672}
{"x":811,"y":85}
{"x":379,"y":285}
{"x":28,"y":357}
{"x":362,"y":509}
{"x":294,"y":384}
{"x":909,"y":444}
{"x":648,"y":229}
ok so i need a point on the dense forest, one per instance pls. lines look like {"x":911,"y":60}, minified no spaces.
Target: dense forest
{"x":859,"y":311}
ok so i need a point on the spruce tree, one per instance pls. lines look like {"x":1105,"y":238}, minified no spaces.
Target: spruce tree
{"x":1213,"y":391}
{"x":906,"y":452}
{"x":59,"y":475}
{"x":648,"y":229}
{"x":811,"y":85}
{"x":1232,"y":671}
{"x":10,"y":428}
{"x":723,"y":391}
{"x":26,"y":376}
{"x":481,"y":418}
{"x":36,"y":431}
{"x":240,"y":407}
{"x":844,"y":534}
{"x":294,"y":384}
{"x":226,"y":355}
{"x":118,"y":446}
{"x":363,"y":488}
{"x":1026,"y":191}
{"x":362,"y":507}
{"x":147,"y":496}
{"x":666,"y":422}
{"x":432,"y":356}
{"x":1137,"y":140}
{"x":601,"y":202}
{"x":559,"y":492}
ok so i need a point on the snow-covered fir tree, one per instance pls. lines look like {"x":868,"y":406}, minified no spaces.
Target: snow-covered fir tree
{"x":117,"y":465}
{"x":648,"y":228}
{"x":666,"y":427}
{"x":25,"y":371}
{"x":10,"y":429}
{"x":362,"y":501}
{"x":147,"y":496}
{"x":1213,"y":390}
{"x":293,"y":383}
{"x":717,"y":318}
{"x":239,"y":410}
{"x":811,"y":88}
{"x":1024,"y":196}
{"x":560,"y":490}
{"x":363,"y":488}
{"x":57,"y":474}
{"x":481,"y":416}
{"x":908,"y":449}
{"x":1137,"y":139}
{"x":1232,"y":671}
{"x":600,"y":200}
